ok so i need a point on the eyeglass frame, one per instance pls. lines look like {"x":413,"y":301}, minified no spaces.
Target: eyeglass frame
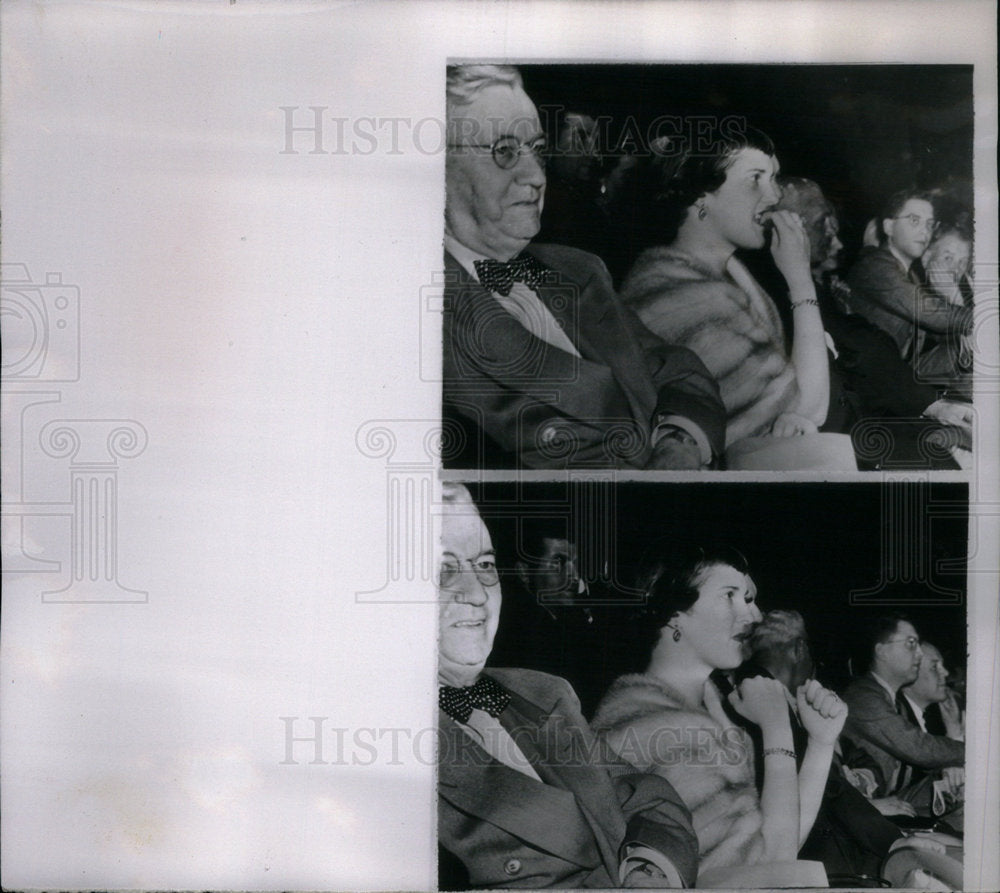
{"x":916,"y":220}
{"x":909,"y":647}
{"x":487,"y":577}
{"x":538,"y":147}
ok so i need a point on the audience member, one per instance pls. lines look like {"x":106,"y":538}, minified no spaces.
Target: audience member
{"x":543,"y":366}
{"x":559,"y":621}
{"x":573,"y":212}
{"x":868,"y":377}
{"x":526,"y":796}
{"x":850,"y":837}
{"x":670,"y":720}
{"x":692,"y":290}
{"x":887,"y":291}
{"x":889,"y":654}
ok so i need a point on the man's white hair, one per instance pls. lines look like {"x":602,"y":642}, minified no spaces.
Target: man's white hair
{"x":466,"y":81}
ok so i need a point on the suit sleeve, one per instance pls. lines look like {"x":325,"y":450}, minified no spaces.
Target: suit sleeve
{"x":880,"y":281}
{"x":684,"y":386}
{"x":872,"y":718}
{"x":872,"y":368}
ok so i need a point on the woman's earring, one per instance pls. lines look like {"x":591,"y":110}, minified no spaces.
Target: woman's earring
{"x":676,"y":634}
{"x":702,"y":212}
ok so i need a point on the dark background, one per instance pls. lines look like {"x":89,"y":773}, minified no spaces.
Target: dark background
{"x":861,"y":131}
{"x":815,"y":548}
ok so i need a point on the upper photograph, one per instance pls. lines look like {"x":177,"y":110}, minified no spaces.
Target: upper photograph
{"x":708,"y":267}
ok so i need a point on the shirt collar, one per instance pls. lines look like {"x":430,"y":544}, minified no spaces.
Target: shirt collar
{"x":884,"y":684}
{"x":465,"y":256}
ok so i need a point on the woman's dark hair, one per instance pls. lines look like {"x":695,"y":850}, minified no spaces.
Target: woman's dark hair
{"x":670,"y":585}
{"x":679,"y":176}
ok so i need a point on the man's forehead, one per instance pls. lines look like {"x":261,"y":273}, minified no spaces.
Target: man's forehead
{"x":463,"y":532}
{"x":917,"y":206}
{"x":495,"y":112}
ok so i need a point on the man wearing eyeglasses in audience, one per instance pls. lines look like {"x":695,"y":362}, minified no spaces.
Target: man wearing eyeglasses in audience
{"x":527,"y":796}
{"x":877,"y":721}
{"x":886,"y":289}
{"x":543,"y":366}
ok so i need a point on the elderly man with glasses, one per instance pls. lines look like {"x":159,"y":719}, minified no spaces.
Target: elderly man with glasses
{"x":877,"y":721}
{"x":527,"y":796}
{"x":886,"y":289}
{"x":543,"y":366}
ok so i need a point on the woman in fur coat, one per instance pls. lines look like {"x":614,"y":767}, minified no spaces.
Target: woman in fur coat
{"x":670,"y":720}
{"x":692,"y":290}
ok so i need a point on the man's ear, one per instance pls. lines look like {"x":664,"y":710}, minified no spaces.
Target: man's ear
{"x":522,"y":574}
{"x":887,"y":223}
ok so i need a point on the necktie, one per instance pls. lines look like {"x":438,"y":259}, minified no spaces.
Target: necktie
{"x":500,"y":276}
{"x":485,"y":694}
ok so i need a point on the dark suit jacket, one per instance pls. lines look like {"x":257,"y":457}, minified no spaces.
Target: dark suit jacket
{"x":513,"y":399}
{"x":895,"y":302}
{"x":509,"y":830}
{"x":889,"y":738}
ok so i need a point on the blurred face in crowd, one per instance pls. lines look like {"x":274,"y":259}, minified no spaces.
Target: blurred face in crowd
{"x":930,"y":687}
{"x":820,"y":221}
{"x":491,"y":208}
{"x":910,"y":231}
{"x":715,"y":629}
{"x":897,"y":660}
{"x":946,"y":260}
{"x":468,"y":595}
{"x":735,"y":210}
{"x":577,"y":157}
{"x":555,"y":576}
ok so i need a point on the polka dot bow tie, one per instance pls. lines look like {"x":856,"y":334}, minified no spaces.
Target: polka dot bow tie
{"x":499,"y":277}
{"x":485,"y":694}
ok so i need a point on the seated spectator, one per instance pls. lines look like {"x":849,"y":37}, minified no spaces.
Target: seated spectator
{"x":556,"y":619}
{"x":692,"y":290}
{"x":526,"y":796}
{"x":850,"y":837}
{"x":869,"y":380}
{"x":887,"y":291}
{"x":889,"y":652}
{"x":573,"y":212}
{"x":935,"y":707}
{"x":670,"y":720}
{"x":945,"y":273}
{"x":543,"y":367}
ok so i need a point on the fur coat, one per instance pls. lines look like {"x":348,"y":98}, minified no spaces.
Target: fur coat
{"x":707,"y":759}
{"x":733,"y":328}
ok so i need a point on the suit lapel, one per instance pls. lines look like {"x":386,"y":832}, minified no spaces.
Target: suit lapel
{"x":500,"y":347}
{"x":479,"y":785}
{"x":599,"y":332}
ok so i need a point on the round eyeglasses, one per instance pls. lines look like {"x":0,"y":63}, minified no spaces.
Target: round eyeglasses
{"x":912,"y":643}
{"x":507,"y":150}
{"x":451,"y":570}
{"x":916,"y":221}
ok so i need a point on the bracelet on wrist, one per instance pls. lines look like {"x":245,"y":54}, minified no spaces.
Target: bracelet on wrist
{"x":779,"y":752}
{"x":811,"y":302}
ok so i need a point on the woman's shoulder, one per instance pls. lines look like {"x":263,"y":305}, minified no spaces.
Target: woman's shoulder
{"x":633,"y":698}
{"x":662,"y":275}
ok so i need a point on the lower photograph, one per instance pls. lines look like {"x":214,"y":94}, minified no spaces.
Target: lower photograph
{"x":736,"y":686}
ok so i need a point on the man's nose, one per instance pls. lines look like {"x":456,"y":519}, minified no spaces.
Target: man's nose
{"x":530,"y":170}
{"x":468,"y":589}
